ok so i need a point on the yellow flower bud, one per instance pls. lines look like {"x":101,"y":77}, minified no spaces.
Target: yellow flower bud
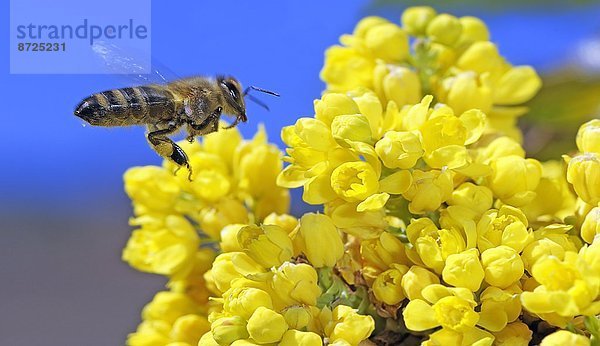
{"x":207,"y":340}
{"x":419,"y":315}
{"x":462,"y":219}
{"x":591,"y":225}
{"x":210,"y":178}
{"x":243,"y":301}
{"x":333,"y":104}
{"x":226,"y":330}
{"x":443,"y":56}
{"x":499,"y":307}
{"x":319,"y":240}
{"x":434,"y":245}
{"x":540,"y":249}
{"x":229,"y":266}
{"x":370,"y":106}
{"x":298,"y":338}
{"x":382,"y":252}
{"x":365,"y":224}
{"x":396,"y":183}
{"x":473,"y":197}
{"x":268,"y":245}
{"x":415,"y":280}
{"x":565,"y":337}
{"x":397,"y":83}
{"x":429,"y":190}
{"x":588,"y":137}
{"x":317,"y":189}
{"x":583,"y":173}
{"x":517,"y":85}
{"x":225,"y":212}
{"x":507,"y":226}
{"x":481,"y":57}
{"x":314,"y":133}
{"x":414,"y":117}
{"x":502,"y":266}
{"x":229,"y":241}
{"x":194,"y":283}
{"x":346,"y":69}
{"x":473,"y":29}
{"x":464,"y":270}
{"x":415,"y":19}
{"x":151,"y":188}
{"x":468,"y":336}
{"x":266,"y":326}
{"x":444,"y":29}
{"x":223,"y":144}
{"x":285,"y":221}
{"x":467,"y":91}
{"x":354,"y":181}
{"x":169,"y":306}
{"x":257,"y":167}
{"x":354,"y":127}
{"x":553,"y":196}
{"x":387,"y":41}
{"x":151,"y":332}
{"x":365,"y":24}
{"x":349,"y":326}
{"x":189,"y":328}
{"x":387,"y":286}
{"x":514,"y":334}
{"x":444,"y":137}
{"x":399,"y":149}
{"x":164,"y":245}
{"x":296,"y":283}
{"x":514,"y":179}
{"x":501,"y":147}
{"x":297,"y":317}
{"x":590,"y":254}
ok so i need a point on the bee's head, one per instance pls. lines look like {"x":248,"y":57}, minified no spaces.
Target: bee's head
{"x":234,"y":97}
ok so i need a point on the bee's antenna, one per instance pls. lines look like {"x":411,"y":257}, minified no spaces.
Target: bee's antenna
{"x":254,"y":99}
{"x":257,"y":101}
{"x":252,"y":87}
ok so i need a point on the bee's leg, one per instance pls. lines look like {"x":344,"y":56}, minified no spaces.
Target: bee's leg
{"x":166,"y":148}
{"x":208,"y":125}
{"x":211,"y":124}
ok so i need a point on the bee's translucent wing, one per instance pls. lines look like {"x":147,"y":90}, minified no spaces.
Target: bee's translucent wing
{"x":117,"y":60}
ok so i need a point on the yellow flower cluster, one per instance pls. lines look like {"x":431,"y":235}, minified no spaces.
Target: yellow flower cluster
{"x":439,"y":54}
{"x":435,"y":224}
{"x":455,"y":231}
{"x":270,"y":286}
{"x":179,"y":222}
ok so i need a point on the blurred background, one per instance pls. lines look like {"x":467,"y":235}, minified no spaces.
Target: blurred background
{"x":63,"y":212}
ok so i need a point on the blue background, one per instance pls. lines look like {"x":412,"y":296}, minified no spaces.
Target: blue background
{"x":63,"y":212}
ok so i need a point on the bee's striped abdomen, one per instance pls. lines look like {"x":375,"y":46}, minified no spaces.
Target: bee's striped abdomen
{"x":127,"y":106}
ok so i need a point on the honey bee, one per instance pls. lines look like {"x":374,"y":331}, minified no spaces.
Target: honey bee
{"x":195,"y":103}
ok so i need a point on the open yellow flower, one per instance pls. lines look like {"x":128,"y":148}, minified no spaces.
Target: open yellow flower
{"x":163,"y":245}
{"x":567,"y":288}
{"x":451,"y":309}
{"x":347,"y":325}
{"x":506,"y":226}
